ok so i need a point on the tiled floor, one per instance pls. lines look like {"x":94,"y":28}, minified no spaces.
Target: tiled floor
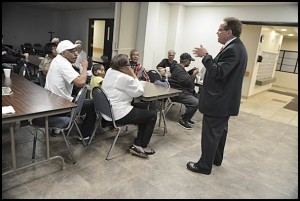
{"x":260,"y":160}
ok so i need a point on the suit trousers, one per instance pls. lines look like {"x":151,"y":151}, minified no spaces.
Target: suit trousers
{"x":214,"y":134}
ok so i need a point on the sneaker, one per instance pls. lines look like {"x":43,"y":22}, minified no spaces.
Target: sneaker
{"x":85,"y":138}
{"x":54,"y":132}
{"x":149,"y":151}
{"x":191,"y":122}
{"x":184,"y":124}
{"x":138,"y":151}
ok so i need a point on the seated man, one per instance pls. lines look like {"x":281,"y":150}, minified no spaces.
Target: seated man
{"x":81,"y":54}
{"x":138,"y":69}
{"x":62,"y":77}
{"x":50,"y":51}
{"x":161,"y":67}
{"x":180,"y":79}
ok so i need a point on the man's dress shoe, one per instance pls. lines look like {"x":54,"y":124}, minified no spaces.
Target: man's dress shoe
{"x":192,"y":167}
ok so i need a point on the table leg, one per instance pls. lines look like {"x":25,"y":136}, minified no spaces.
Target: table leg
{"x":47,"y":137}
{"x":13,"y":148}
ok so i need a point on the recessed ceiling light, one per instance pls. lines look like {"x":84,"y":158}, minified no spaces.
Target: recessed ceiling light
{"x":290,"y":34}
{"x":283,"y":29}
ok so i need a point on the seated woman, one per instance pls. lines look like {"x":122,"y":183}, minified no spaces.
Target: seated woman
{"x":121,"y":86}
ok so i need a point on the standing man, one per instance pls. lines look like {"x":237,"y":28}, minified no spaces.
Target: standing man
{"x":61,"y":78}
{"x":180,"y":79}
{"x":220,"y":95}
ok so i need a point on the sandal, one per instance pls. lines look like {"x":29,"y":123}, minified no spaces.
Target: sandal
{"x":149,"y":152}
{"x":136,"y":151}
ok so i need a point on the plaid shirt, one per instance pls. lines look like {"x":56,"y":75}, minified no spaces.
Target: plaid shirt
{"x":141,"y":72}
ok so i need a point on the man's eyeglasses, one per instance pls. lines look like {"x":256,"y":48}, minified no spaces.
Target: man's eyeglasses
{"x":219,"y":30}
{"x":72,"y":51}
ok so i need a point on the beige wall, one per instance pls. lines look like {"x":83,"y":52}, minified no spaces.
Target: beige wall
{"x":283,"y":79}
{"x":99,"y":28}
{"x":250,"y":37}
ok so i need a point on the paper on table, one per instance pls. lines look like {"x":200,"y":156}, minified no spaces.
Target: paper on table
{"x":6,"y":91}
{"x":8,"y":110}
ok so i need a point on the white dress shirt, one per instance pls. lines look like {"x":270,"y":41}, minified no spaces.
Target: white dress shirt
{"x":121,"y":89}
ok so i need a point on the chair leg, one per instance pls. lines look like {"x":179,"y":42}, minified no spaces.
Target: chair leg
{"x":68,"y":145}
{"x":98,"y":122}
{"x":169,"y":105}
{"x":80,"y":134}
{"x":71,"y":127}
{"x":113,"y":144}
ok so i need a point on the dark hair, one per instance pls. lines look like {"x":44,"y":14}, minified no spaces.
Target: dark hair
{"x":104,"y":59}
{"x":48,"y":48}
{"x":234,"y":25}
{"x":95,"y":68}
{"x":119,"y":61}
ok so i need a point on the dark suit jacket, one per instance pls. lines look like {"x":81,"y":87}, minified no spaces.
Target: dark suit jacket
{"x":220,"y":95}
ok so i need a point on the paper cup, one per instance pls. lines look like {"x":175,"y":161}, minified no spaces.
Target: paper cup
{"x":26,"y":55}
{"x":7,"y":72}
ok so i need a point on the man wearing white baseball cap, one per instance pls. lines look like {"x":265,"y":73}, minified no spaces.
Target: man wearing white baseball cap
{"x":62,"y":77}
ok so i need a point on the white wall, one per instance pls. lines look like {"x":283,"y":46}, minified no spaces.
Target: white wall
{"x":199,"y":25}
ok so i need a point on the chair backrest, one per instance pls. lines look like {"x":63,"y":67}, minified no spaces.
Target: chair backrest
{"x":37,"y":45}
{"x":42,"y":78}
{"x":102,"y":104}
{"x":154,"y":75}
{"x":27,"y":48}
{"x":79,"y":100}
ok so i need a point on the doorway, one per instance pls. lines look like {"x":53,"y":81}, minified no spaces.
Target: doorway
{"x":100,"y":38}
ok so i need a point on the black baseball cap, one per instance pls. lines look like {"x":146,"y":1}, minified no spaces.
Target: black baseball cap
{"x":186,"y":56}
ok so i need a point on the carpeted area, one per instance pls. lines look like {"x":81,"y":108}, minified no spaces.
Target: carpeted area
{"x":293,"y":105}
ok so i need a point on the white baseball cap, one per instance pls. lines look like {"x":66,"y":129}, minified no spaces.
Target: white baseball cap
{"x":65,"y":45}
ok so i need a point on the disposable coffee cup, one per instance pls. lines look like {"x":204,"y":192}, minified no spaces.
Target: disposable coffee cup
{"x":7,"y":72}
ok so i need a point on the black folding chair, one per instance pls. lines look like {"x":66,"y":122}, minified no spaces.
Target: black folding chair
{"x":103,"y":107}
{"x":62,"y":123}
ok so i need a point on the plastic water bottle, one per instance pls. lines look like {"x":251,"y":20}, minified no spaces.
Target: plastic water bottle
{"x":24,"y":72}
{"x":167,"y":73}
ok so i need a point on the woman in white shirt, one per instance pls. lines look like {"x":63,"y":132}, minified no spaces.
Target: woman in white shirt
{"x":121,"y":86}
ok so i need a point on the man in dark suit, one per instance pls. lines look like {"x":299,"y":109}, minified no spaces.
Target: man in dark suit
{"x":220,"y":95}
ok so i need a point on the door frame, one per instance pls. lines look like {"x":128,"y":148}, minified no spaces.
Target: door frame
{"x":108,"y":36}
